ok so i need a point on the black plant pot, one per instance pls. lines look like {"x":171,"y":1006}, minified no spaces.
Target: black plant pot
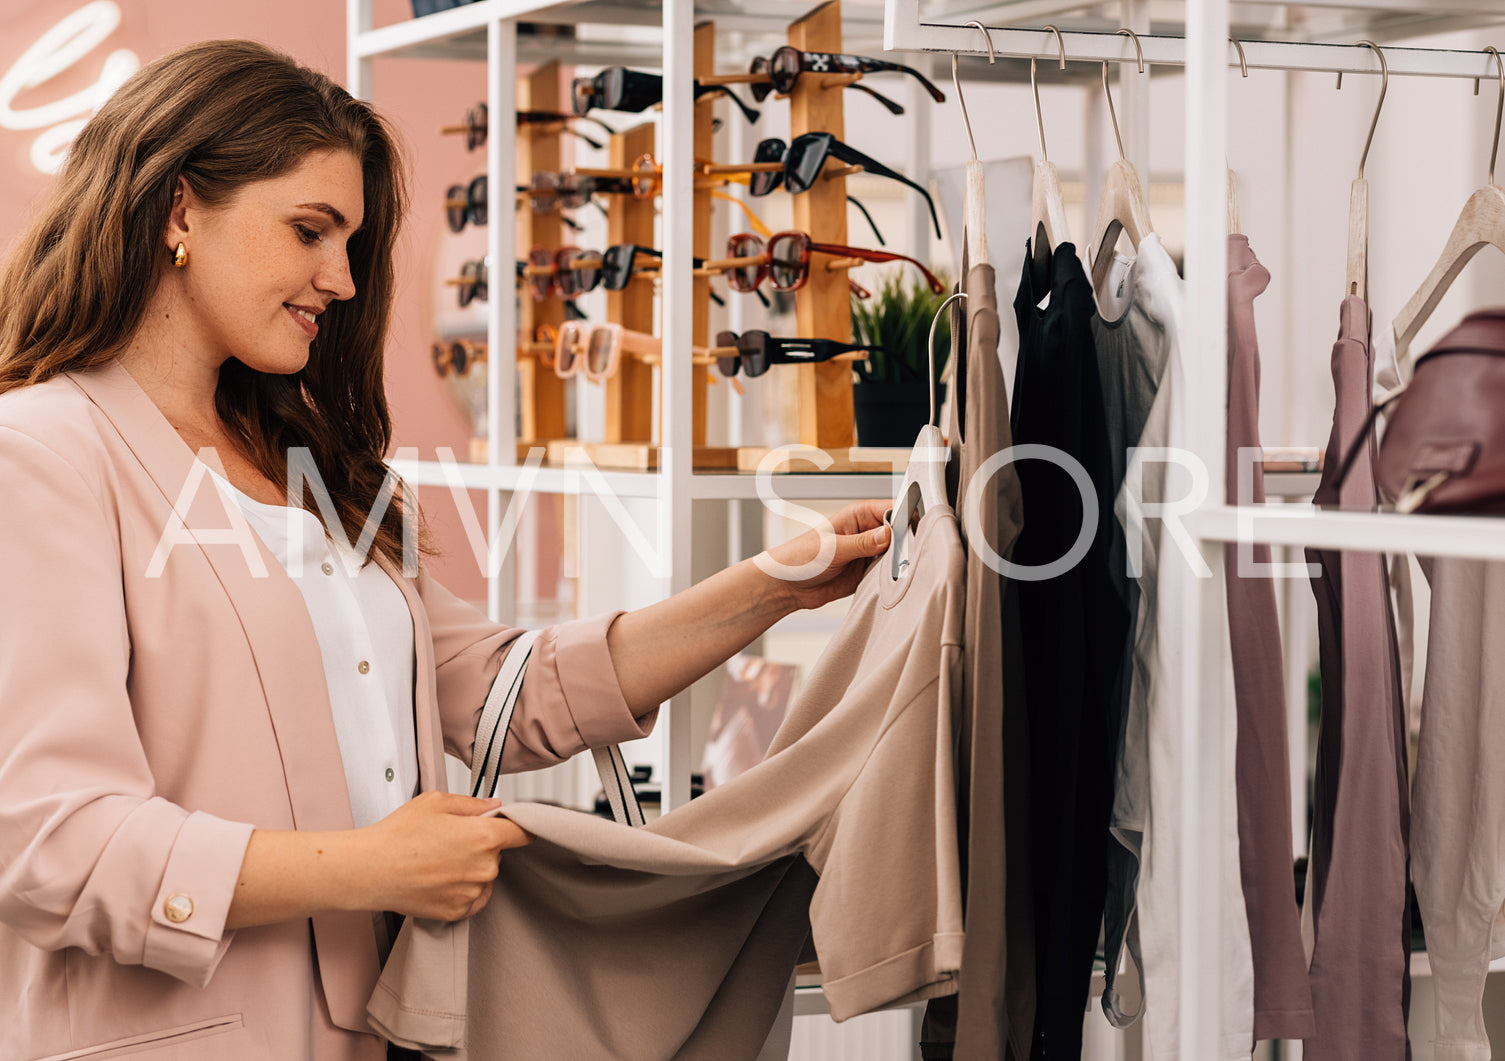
{"x":891,"y":414}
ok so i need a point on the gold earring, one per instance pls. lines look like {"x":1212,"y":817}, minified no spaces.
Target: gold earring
{"x":180,"y":256}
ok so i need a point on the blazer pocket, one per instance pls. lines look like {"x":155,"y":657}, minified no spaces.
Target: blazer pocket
{"x":152,"y":1041}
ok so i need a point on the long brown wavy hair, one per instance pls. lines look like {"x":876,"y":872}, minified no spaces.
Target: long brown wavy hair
{"x":220,"y":114}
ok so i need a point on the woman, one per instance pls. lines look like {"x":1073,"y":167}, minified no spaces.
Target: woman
{"x":204,"y":800}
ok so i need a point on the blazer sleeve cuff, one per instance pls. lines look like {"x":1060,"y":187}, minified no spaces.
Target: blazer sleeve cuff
{"x":186,"y":937}
{"x":589,"y":682}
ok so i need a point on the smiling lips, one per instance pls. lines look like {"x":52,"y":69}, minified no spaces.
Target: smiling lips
{"x":304,"y":318}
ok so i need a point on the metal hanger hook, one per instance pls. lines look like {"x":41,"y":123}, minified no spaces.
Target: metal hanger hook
{"x":1111,"y":113}
{"x":1384,"y":86}
{"x":1499,"y":107}
{"x":957,"y":81}
{"x":992,"y":56}
{"x":1137,"y":49}
{"x":1243,"y":64}
{"x":1035,"y":87}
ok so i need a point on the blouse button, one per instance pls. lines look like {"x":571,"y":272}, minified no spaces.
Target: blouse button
{"x":327,"y":568}
{"x":363,"y":667}
{"x":390,"y":774}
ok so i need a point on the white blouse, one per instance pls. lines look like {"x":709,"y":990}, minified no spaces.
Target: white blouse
{"x":365,"y":634}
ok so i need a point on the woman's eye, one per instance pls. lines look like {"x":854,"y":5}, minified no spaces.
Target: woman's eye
{"x":306,"y":234}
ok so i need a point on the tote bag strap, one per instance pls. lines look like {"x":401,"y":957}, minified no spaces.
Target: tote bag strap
{"x":496,"y":720}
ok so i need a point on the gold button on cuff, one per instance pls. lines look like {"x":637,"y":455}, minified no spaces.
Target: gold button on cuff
{"x":327,"y":568}
{"x":363,"y":667}
{"x":178,"y":908}
{"x":390,"y":775}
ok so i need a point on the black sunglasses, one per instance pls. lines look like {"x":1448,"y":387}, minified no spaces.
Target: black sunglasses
{"x":619,"y":89}
{"x":786,"y":65}
{"x":757,"y":350}
{"x":464,"y":203}
{"x":804,"y":159}
{"x":474,"y":282}
{"x":477,"y":124}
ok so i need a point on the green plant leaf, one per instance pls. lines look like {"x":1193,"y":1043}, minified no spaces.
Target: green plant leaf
{"x":897,"y":318}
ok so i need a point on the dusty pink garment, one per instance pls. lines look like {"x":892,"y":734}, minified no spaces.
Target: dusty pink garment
{"x":1360,"y":969}
{"x":150,"y":723}
{"x":1282,"y":993}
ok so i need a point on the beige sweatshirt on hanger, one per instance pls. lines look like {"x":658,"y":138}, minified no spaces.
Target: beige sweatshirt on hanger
{"x":678,"y":939}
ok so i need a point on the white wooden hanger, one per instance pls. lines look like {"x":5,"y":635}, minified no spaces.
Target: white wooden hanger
{"x":924,"y":484}
{"x":1481,"y":222}
{"x":974,"y":200}
{"x":1233,"y":222}
{"x":1047,"y":209}
{"x":1122,"y":207}
{"x":1358,"y":195}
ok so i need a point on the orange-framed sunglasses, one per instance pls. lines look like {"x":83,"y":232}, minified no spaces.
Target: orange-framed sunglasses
{"x":784,"y":260}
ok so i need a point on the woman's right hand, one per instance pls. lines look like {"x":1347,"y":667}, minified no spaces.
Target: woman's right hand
{"x":437,"y":855}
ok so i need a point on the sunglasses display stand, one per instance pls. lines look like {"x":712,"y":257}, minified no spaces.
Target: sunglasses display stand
{"x":541,"y":393}
{"x":822,"y":308}
{"x":630,"y":431}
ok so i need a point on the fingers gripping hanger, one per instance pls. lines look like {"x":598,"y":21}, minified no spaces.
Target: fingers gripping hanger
{"x":1233,"y":222}
{"x":1047,"y":208}
{"x":924,"y":483}
{"x":1122,"y":207}
{"x":1358,"y":196}
{"x":1481,"y":222}
{"x":974,"y":210}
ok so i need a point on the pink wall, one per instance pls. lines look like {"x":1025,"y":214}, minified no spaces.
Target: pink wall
{"x":416,"y":96}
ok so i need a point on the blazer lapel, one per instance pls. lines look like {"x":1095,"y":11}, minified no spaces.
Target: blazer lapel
{"x":285,"y":647}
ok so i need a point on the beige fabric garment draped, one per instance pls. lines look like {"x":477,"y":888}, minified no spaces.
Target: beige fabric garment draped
{"x":150,"y":722}
{"x":677,"y":940}
{"x":995,"y":1003}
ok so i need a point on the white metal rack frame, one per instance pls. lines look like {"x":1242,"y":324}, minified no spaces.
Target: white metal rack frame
{"x":456,"y":33}
{"x":1206,"y":53}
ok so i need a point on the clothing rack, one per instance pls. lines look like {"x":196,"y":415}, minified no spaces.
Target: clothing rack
{"x":1206,"y":52}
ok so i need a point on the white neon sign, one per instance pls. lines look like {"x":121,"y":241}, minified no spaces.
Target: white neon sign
{"x":60,"y":48}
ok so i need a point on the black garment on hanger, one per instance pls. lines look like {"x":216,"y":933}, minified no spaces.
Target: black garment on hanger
{"x":1073,"y":626}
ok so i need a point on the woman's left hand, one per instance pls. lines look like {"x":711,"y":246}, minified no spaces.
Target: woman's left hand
{"x":824,"y":565}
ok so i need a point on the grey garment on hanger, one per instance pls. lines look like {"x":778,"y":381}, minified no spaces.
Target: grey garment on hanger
{"x":1458,"y":846}
{"x":1282,"y":992}
{"x":1148,"y":792}
{"x":994,"y":1006}
{"x":1129,"y":363}
{"x":1356,"y":883}
{"x":677,"y":940}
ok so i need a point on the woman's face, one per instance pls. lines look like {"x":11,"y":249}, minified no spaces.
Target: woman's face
{"x":263,"y":266}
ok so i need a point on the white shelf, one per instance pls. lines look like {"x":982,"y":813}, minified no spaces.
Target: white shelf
{"x":460,"y":33}
{"x":913,"y":31}
{"x":1310,"y":22}
{"x":730,"y":486}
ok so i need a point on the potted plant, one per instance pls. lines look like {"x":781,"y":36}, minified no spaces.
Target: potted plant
{"x":890,"y":399}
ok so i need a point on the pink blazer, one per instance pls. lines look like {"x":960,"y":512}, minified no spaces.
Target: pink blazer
{"x":148,"y":724}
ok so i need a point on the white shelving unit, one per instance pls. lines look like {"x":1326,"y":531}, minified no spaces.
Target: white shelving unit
{"x":486,"y":31}
{"x":1206,"y":53}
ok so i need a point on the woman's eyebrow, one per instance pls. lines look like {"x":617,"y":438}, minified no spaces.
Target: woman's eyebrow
{"x":325,"y":208}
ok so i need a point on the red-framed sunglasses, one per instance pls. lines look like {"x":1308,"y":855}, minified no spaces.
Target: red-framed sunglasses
{"x":785,"y":260}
